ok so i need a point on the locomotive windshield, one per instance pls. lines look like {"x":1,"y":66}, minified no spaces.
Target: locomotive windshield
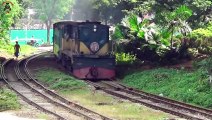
{"x":94,"y":33}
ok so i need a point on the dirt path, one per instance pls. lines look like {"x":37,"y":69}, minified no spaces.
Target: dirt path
{"x":10,"y":116}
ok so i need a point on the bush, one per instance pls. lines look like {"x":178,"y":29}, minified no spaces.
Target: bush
{"x":201,"y":34}
{"x":193,"y":52}
{"x":204,"y":64}
{"x":202,"y":39}
{"x":125,"y":58}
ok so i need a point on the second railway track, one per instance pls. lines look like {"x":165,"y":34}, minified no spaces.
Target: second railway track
{"x":18,"y":78}
{"x":157,"y":102}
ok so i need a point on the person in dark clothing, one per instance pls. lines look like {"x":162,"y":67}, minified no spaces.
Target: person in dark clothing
{"x":16,"y":49}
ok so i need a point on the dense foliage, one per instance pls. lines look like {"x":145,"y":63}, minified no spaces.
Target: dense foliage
{"x":8,"y":100}
{"x":201,"y":39}
{"x":159,"y":30}
{"x":7,"y":17}
{"x":120,"y":8}
{"x":152,"y":42}
{"x":124,"y":58}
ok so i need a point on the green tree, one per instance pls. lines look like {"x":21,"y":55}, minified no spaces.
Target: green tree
{"x":176,"y":20}
{"x":112,"y":11}
{"x":8,"y":13}
{"x":201,"y":8}
{"x":51,"y":10}
{"x":104,"y":7}
{"x":25,"y":3}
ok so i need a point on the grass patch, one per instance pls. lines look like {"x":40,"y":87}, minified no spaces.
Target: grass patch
{"x":187,"y":86}
{"x":43,"y":116}
{"x":102,"y":103}
{"x":9,"y":48}
{"x":112,"y":107}
{"x":58,"y":80}
{"x":8,"y":100}
{"x":25,"y":49}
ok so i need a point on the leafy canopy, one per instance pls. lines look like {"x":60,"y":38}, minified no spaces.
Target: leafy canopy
{"x":119,"y":8}
{"x":7,"y":18}
{"x":52,"y":9}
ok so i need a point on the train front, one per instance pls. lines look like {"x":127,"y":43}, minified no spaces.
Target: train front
{"x":95,"y":60}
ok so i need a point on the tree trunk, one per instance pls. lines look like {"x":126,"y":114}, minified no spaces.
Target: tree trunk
{"x":172,"y":37}
{"x":48,"y":26}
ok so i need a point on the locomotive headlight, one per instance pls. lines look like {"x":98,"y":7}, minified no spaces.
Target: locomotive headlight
{"x":94,"y":28}
{"x":94,"y":46}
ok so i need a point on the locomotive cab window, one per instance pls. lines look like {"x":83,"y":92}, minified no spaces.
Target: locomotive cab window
{"x":68,"y":32}
{"x":103,"y":38}
{"x":93,"y":33}
{"x":85,"y":32}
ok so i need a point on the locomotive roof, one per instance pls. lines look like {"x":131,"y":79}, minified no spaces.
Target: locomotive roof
{"x":76,"y":23}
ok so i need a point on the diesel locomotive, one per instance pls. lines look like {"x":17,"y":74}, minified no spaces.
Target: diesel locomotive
{"x":84,"y":49}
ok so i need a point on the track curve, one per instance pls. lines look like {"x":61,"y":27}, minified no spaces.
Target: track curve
{"x":19,"y":79}
{"x":34,"y":82}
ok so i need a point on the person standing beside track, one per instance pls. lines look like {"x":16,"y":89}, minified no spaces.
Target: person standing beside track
{"x":16,"y":49}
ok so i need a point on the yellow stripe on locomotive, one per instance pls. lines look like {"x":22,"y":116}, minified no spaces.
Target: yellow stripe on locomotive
{"x":102,"y":51}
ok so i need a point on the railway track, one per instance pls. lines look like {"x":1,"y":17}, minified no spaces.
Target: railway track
{"x":34,"y":82}
{"x":1,"y":62}
{"x":157,"y":102}
{"x":21,"y":81}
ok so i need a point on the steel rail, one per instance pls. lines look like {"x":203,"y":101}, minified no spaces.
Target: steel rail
{"x":204,"y":111}
{"x":123,"y":95}
{"x":72,"y":110}
{"x":162,"y":100}
{"x":55,"y":95}
{"x":22,"y":96}
{"x":1,"y":78}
